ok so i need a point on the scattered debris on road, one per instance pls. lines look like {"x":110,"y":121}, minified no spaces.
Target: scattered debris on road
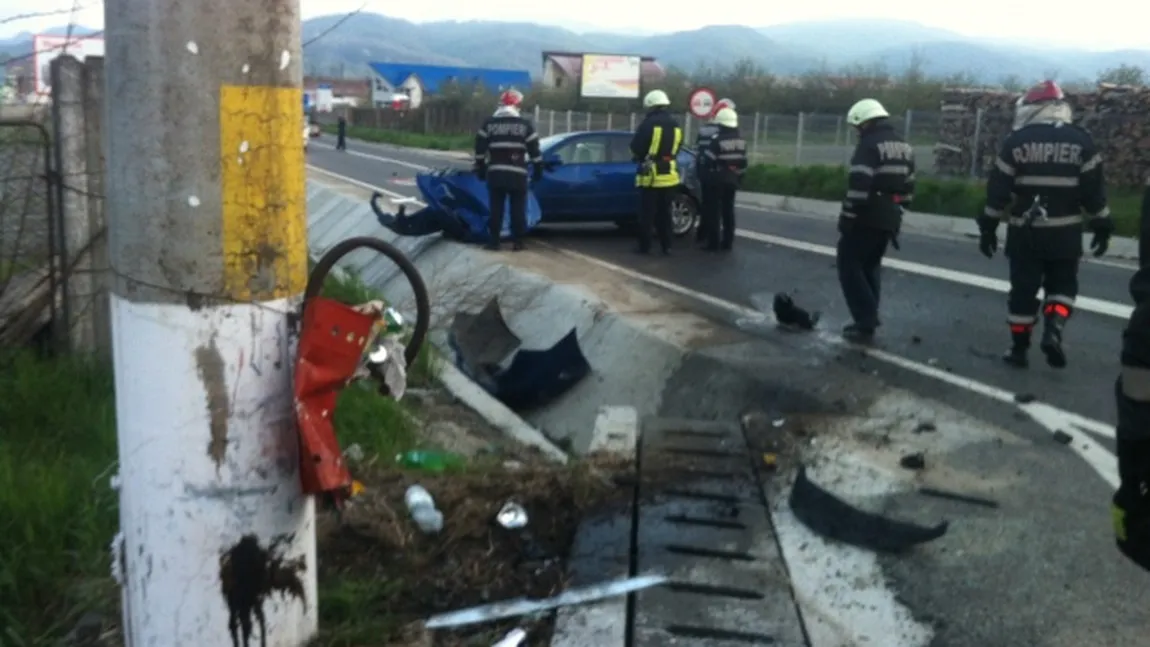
{"x":833,"y":518}
{"x":1063,"y":437}
{"x":915,"y":461}
{"x":959,"y":497}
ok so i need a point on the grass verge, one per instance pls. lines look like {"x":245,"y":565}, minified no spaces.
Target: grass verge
{"x":409,"y":139}
{"x":957,"y":198}
{"x":58,"y":513}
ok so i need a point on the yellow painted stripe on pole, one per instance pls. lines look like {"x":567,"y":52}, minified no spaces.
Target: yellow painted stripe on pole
{"x":264,"y":199}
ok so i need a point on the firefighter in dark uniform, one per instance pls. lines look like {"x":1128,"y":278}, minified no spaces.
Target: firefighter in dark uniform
{"x":1047,"y":174}
{"x":880,"y":185}
{"x":702,"y":139}
{"x":1131,"y":503}
{"x":504,"y":146}
{"x":724,"y":160}
{"x":655,"y":148}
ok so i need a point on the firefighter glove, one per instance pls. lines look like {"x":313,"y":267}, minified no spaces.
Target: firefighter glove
{"x":1130,"y":506}
{"x":481,"y":172}
{"x":1100,"y":242}
{"x":988,"y":242}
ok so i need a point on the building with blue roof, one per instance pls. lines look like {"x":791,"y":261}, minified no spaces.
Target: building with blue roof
{"x":417,"y":81}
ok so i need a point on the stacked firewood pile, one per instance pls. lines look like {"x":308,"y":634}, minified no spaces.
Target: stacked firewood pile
{"x":974,"y":123}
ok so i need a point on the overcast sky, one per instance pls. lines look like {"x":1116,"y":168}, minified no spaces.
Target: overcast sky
{"x":1091,"y":26}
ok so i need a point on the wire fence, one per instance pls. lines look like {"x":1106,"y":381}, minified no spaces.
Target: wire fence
{"x":791,"y":140}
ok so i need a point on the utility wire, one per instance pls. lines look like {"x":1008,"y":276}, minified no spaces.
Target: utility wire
{"x":336,"y":25}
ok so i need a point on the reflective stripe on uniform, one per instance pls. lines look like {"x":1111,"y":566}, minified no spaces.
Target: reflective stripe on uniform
{"x":481,"y":133}
{"x":1022,"y":320}
{"x":508,"y":146}
{"x":1045,"y":181}
{"x":1105,"y":213}
{"x":654,"y":179}
{"x":857,"y":195}
{"x":862,"y":169}
{"x":1058,"y":221}
{"x":991,"y":212}
{"x":1003,"y":166}
{"x":1136,"y":383}
{"x":1060,"y":298}
{"x":1092,"y":163}
{"x":507,"y":167}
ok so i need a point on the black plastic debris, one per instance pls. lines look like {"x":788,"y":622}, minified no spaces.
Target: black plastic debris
{"x":916,"y":339}
{"x":828,"y":516}
{"x":481,"y":341}
{"x":1063,"y":437}
{"x":957,"y":496}
{"x":787,"y":313}
{"x":536,"y":377}
{"x":916,"y":461}
{"x":1024,"y":398}
{"x":925,"y":427}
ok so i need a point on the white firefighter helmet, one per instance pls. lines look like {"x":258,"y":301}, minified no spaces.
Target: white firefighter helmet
{"x":655,"y":99}
{"x":864,"y":111}
{"x":727,"y":118}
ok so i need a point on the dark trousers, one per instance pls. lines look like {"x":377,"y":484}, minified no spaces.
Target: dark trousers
{"x":705,"y":220}
{"x":341,"y":141}
{"x":655,"y":212}
{"x":1058,"y":278}
{"x":496,"y":197}
{"x":720,"y":218}
{"x":859,"y":260}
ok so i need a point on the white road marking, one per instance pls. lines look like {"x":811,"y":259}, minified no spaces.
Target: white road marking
{"x":1051,"y":418}
{"x":1087,"y":304}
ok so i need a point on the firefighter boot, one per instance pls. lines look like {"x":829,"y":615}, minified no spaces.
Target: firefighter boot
{"x":1052,"y":340}
{"x":1016,"y":356}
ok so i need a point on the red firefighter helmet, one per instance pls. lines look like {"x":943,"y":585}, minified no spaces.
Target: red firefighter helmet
{"x":511,"y":98}
{"x":720,"y":104}
{"x":1044,"y":92}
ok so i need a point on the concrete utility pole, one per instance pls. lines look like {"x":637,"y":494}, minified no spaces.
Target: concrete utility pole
{"x":206,"y":210}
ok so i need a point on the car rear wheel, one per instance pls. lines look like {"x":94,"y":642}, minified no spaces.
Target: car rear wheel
{"x":684,"y":215}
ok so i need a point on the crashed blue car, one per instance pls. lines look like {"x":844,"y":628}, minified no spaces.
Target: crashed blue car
{"x":588,"y":177}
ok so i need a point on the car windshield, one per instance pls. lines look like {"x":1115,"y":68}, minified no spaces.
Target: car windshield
{"x":548,"y":142}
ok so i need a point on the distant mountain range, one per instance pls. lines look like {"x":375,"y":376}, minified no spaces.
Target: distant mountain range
{"x":788,"y":50}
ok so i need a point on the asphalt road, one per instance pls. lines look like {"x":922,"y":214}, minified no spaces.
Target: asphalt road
{"x":1040,"y":571}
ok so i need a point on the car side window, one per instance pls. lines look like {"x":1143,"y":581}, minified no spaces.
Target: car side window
{"x":585,"y":150}
{"x":619,"y":149}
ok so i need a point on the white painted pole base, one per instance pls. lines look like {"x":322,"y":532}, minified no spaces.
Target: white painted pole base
{"x":208,"y":455}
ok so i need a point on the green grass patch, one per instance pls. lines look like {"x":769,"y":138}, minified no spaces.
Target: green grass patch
{"x":58,"y":513}
{"x":409,"y":139}
{"x":958,"y":198}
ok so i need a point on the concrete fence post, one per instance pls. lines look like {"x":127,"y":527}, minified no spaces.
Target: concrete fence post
{"x":568,"y":125}
{"x":799,"y":140}
{"x":94,"y":120}
{"x":72,"y":169}
{"x":632,"y":120}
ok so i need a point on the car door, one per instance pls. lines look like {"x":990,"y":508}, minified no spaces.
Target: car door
{"x":620,"y":195}
{"x":562,"y":190}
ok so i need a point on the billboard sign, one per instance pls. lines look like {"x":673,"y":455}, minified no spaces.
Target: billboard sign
{"x":46,"y":49}
{"x":610,"y":77}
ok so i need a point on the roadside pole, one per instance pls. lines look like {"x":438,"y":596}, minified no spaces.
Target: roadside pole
{"x":206,"y":212}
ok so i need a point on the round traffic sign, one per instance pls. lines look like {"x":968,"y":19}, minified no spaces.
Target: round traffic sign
{"x":702,"y":102}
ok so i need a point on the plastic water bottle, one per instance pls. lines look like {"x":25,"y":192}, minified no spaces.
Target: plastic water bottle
{"x":514,"y":638}
{"x":422,"y":509}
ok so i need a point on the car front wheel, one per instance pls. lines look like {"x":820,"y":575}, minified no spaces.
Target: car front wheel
{"x":684,"y":215}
